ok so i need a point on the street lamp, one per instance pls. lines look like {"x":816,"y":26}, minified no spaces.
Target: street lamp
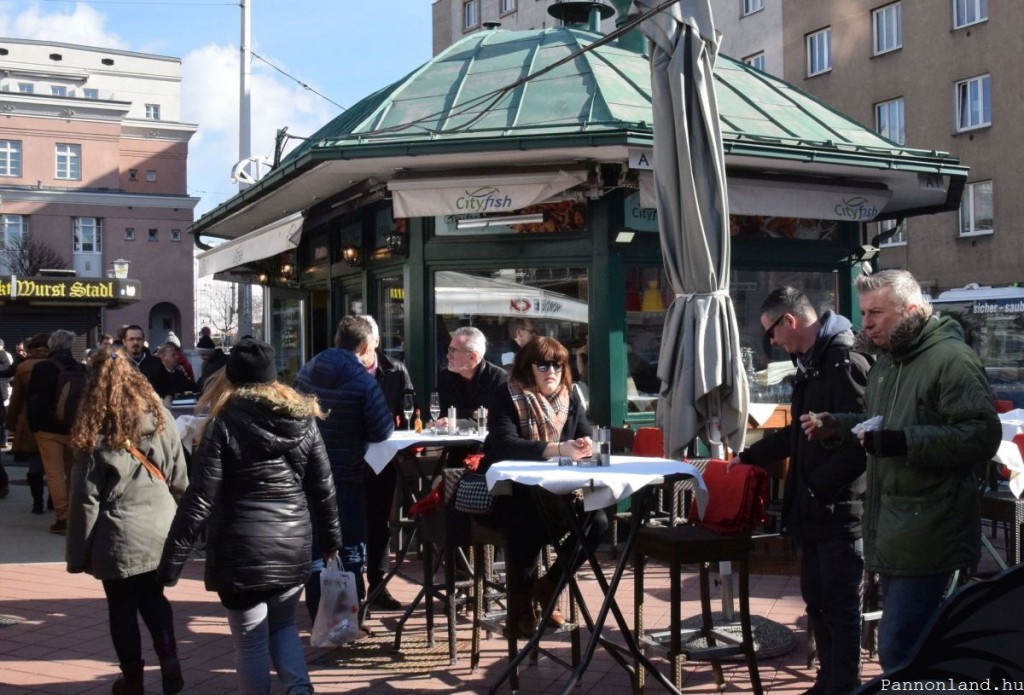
{"x":121,"y":269}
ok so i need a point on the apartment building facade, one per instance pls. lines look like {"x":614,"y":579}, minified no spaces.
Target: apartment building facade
{"x":93,"y":158}
{"x":939,"y":74}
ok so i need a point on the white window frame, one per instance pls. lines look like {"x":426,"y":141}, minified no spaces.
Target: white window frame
{"x":90,"y":93}
{"x":153,"y":112}
{"x":88,"y":231}
{"x":176,"y":235}
{"x":150,"y":175}
{"x":26,"y":88}
{"x":897,"y":239}
{"x":751,"y":6}
{"x":971,"y":96}
{"x":10,"y":158}
{"x":129,"y":233}
{"x":887,"y":28}
{"x":962,"y":9}
{"x":11,"y":226}
{"x":507,"y":7}
{"x":885,"y":113}
{"x":819,"y":48}
{"x":58,"y":90}
{"x":152,"y":234}
{"x":756,"y":60}
{"x":470,"y":14}
{"x":69,"y":162}
{"x":969,"y":208}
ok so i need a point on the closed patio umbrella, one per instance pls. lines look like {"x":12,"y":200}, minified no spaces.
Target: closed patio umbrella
{"x":704,"y":389}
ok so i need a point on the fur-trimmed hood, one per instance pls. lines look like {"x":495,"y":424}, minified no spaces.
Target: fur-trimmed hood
{"x":901,"y":340}
{"x":275,"y":401}
{"x":269,"y":421}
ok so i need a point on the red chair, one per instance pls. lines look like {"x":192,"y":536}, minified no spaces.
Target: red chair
{"x":649,"y":441}
{"x":1004,"y":406}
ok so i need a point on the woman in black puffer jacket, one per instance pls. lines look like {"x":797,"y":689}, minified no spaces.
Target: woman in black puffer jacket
{"x":260,"y":474}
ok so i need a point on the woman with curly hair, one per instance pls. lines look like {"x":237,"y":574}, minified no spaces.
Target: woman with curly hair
{"x":261,"y":479}
{"x":127,"y":477}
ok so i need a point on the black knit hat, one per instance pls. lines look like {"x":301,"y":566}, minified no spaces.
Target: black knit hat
{"x":205,"y":343}
{"x":251,"y":362}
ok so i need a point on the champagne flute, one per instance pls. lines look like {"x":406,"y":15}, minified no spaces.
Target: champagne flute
{"x":407,"y":407}
{"x":435,"y":405}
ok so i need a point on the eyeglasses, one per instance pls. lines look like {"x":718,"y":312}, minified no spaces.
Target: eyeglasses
{"x":770,"y":333}
{"x":455,"y":351}
{"x":544,"y":366}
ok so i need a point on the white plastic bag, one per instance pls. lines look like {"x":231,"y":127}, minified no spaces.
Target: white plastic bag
{"x":337,"y":617}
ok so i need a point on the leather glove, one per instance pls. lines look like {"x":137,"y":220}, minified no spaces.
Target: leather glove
{"x":886,"y":443}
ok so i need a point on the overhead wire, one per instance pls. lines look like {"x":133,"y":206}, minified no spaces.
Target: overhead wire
{"x":298,"y":81}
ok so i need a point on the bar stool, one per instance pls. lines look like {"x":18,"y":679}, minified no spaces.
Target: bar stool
{"x":696,"y":544}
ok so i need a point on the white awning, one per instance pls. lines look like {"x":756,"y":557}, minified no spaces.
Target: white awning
{"x":462,"y":294}
{"x":258,"y":244}
{"x":780,"y":198}
{"x":468,"y":195}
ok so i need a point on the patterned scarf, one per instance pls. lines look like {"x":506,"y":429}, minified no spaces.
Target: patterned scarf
{"x":541,"y":418}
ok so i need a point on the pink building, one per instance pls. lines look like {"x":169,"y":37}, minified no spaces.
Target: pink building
{"x":93,"y":160}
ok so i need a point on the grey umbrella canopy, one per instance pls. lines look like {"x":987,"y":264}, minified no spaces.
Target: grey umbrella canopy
{"x":700,"y":365}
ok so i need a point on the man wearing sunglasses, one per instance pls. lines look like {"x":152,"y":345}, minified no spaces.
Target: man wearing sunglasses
{"x":824,"y":488}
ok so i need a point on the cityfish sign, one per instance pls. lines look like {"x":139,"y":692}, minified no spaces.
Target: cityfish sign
{"x":69,"y":290}
{"x":479,"y":195}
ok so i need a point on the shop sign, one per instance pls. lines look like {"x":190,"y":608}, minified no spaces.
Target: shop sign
{"x":63,"y":290}
{"x":478,"y":195}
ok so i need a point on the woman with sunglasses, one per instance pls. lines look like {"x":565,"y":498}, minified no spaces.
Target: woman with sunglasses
{"x":538,"y":417}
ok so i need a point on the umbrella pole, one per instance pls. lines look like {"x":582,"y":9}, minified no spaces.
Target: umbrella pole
{"x":724,"y":568}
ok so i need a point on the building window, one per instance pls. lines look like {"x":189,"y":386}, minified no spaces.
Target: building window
{"x":897,"y":239}
{"x":976,"y":209}
{"x":133,"y":174}
{"x":506,"y":7}
{"x":89,"y":93}
{"x":10,"y":157}
{"x":819,"y":52}
{"x":26,"y":88}
{"x":151,"y":175}
{"x":129,"y":233}
{"x":471,"y":14}
{"x":12,"y":231}
{"x":88,"y":235}
{"x":973,"y":103}
{"x":888,"y":27}
{"x":153,"y":112}
{"x":756,"y":60}
{"x":154,"y":235}
{"x":967,"y":12}
{"x":752,"y":6}
{"x":58,"y":91}
{"x":69,"y":162}
{"x":889,"y":120}
{"x":175,"y":235}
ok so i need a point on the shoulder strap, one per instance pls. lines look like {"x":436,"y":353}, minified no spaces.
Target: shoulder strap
{"x":146,"y":463}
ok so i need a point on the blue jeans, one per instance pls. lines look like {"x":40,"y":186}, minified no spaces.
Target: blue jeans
{"x":268,"y":628}
{"x":908,"y":604}
{"x":832,"y":584}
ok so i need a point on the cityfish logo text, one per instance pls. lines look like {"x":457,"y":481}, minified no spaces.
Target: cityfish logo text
{"x":856,"y":208}
{"x":484,"y":199}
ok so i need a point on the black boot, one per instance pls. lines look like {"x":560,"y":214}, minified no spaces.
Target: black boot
{"x":170,"y":675}
{"x":35,"y":485}
{"x":130,"y":682}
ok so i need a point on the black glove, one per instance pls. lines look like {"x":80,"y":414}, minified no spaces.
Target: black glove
{"x":886,"y":443}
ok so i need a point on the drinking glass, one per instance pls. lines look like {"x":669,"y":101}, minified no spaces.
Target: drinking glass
{"x":408,"y":407}
{"x":435,"y":405}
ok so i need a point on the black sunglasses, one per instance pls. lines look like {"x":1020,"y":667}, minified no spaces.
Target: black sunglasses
{"x":770,"y":333}
{"x":548,"y":364}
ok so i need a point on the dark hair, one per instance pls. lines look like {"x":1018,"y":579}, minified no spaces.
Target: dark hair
{"x":39,"y":340}
{"x":514,"y":325}
{"x":540,"y":349}
{"x":131,"y":327}
{"x":353,"y":333}
{"x":788,"y":300}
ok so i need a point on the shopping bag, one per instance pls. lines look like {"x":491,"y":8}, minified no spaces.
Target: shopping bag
{"x":736,"y":499}
{"x":337,"y":618}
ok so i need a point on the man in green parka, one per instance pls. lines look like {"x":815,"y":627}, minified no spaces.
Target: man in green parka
{"x":922,"y":517}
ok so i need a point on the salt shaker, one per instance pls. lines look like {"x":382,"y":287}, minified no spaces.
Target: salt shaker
{"x":453,"y":420}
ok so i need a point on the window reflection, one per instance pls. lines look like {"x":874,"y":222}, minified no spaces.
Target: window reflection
{"x":391,"y":318}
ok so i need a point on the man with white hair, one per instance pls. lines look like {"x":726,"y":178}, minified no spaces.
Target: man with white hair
{"x":470,"y":381}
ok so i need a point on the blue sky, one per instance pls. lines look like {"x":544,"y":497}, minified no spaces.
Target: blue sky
{"x":343,"y":49}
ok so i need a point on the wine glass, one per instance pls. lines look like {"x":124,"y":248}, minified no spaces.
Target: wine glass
{"x":407,"y":407}
{"x":435,"y":405}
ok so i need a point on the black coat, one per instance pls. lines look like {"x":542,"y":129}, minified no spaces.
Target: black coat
{"x":259,"y":474}
{"x":394,"y":381}
{"x":469,"y":394}
{"x":824,"y":488}
{"x":42,"y":391}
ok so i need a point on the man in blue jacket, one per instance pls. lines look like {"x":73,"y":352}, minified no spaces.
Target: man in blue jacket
{"x":358,"y":414}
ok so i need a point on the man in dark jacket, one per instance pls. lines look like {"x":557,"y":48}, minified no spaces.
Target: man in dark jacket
{"x":393,"y":378}
{"x":148,"y":364}
{"x":52,"y":435}
{"x":358,"y":415}
{"x":922,"y":517}
{"x":824,"y":487}
{"x":213,"y":359}
{"x":470,"y":381}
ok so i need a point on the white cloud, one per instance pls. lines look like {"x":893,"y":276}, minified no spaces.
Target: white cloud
{"x":82,"y":25}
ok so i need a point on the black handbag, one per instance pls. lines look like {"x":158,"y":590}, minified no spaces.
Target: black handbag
{"x":472,"y":495}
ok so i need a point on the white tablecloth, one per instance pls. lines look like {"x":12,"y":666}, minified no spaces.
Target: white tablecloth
{"x":1009,"y":453}
{"x":188,"y":427}
{"x":379,"y":453}
{"x":601,"y":487}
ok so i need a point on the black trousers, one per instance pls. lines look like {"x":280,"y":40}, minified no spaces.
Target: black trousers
{"x":380,"y":498}
{"x":129,"y":598}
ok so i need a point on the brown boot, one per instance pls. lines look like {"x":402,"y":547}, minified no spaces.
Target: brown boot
{"x":543,"y":592}
{"x":130,"y":682}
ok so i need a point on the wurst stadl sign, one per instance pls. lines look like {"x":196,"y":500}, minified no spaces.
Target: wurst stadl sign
{"x":69,"y":290}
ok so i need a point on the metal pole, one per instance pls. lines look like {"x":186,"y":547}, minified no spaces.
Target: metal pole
{"x":245,"y":150}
